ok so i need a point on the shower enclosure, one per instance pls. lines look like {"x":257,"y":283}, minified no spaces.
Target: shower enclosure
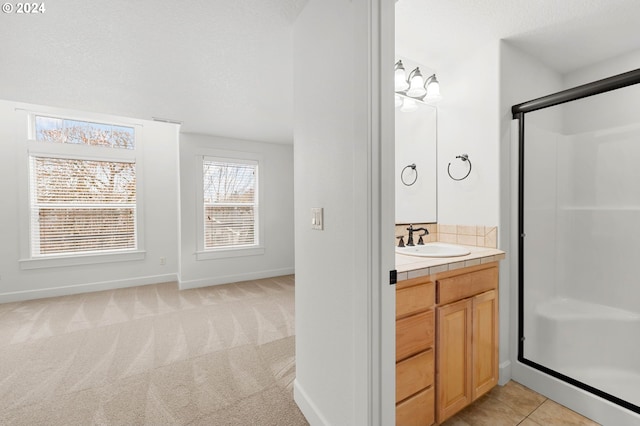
{"x":579,"y":237}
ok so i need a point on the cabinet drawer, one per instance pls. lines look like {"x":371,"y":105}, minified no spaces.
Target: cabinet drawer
{"x":414,"y":374}
{"x":417,"y":410}
{"x":414,"y":334}
{"x":411,"y":300}
{"x":466,"y":285}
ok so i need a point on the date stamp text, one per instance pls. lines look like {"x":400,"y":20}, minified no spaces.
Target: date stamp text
{"x":23,"y":8}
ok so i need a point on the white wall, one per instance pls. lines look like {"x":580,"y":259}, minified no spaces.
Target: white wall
{"x":416,"y":143}
{"x":276,"y":174}
{"x":323,"y":158}
{"x":522,"y":78}
{"x":470,"y":121}
{"x":334,"y":169}
{"x":160,"y":147}
{"x":468,"y":124}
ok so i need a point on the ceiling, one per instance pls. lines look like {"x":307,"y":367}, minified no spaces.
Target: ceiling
{"x":563,"y":34}
{"x":221,"y":67}
{"x":225,"y":67}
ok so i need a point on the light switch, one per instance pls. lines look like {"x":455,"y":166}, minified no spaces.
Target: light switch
{"x":317,"y":218}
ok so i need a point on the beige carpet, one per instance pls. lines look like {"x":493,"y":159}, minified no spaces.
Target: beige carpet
{"x":154,"y":355}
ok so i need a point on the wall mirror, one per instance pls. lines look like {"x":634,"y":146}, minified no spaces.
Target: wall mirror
{"x":416,"y":160}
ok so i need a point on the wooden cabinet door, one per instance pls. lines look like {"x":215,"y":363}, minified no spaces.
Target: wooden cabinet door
{"x":485,"y":343}
{"x":453,"y":359}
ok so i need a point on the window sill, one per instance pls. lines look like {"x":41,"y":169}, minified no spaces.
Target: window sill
{"x":80,"y":259}
{"x":229,"y":252}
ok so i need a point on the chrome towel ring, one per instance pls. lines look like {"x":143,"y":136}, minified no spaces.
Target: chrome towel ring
{"x":464,"y":158}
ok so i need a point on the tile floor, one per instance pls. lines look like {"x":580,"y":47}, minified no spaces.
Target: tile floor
{"x":514,"y":404}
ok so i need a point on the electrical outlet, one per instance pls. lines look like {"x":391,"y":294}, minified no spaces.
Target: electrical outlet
{"x":317,"y":218}
{"x":163,"y":260}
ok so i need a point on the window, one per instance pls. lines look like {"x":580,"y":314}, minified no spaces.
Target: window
{"x":81,"y":205}
{"x":83,"y":188}
{"x":60,"y":130}
{"x":230,"y":203}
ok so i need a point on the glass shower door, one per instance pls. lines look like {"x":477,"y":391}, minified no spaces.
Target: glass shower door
{"x":581,"y":219}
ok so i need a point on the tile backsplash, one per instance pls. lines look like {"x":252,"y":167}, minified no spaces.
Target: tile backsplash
{"x":469,"y":235}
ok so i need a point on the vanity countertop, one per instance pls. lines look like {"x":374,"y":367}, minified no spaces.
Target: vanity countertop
{"x":414,"y":266}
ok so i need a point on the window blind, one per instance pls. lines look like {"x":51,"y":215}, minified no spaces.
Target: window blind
{"x":82,"y":205}
{"x":230,"y":203}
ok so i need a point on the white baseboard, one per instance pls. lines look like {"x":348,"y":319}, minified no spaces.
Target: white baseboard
{"x":17,"y":296}
{"x":234,"y":278}
{"x":504,"y":373}
{"x":308,"y":408}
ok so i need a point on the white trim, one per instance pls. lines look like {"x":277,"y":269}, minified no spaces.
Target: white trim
{"x":72,"y":114}
{"x":226,"y":279}
{"x":81,"y":152}
{"x":179,"y":194}
{"x":504,"y":373}
{"x":199,"y":201}
{"x":24,"y":182}
{"x":17,"y":296}
{"x":379,"y":16}
{"x":230,"y":252}
{"x":140,"y":184}
{"x":306,"y":405}
{"x":241,"y":160}
{"x":80,"y":259}
{"x":384,"y":41}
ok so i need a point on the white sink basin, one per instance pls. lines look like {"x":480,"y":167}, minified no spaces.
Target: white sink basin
{"x":434,"y":250}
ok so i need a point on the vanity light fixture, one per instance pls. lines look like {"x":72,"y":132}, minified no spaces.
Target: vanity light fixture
{"x":414,"y":88}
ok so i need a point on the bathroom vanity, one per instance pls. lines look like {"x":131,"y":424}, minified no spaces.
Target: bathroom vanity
{"x":446,"y":334}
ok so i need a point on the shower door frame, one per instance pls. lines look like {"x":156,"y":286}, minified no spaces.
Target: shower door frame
{"x":597,"y":87}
